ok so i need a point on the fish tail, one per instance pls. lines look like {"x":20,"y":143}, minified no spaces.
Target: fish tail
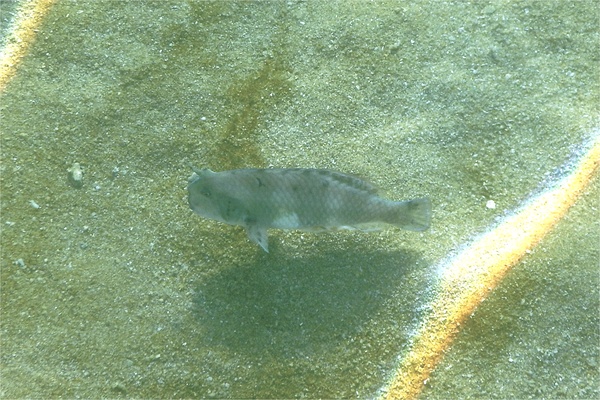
{"x":412,"y":215}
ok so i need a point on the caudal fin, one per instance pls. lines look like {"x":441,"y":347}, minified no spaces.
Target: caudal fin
{"x":412,"y":215}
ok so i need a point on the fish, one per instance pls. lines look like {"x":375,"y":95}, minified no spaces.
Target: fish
{"x":299,"y":198}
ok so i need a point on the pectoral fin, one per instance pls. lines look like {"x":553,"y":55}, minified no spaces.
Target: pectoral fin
{"x":258,"y":235}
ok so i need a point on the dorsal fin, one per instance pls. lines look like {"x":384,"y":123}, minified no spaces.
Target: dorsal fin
{"x":349,"y":180}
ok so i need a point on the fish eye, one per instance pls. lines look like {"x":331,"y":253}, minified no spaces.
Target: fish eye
{"x":205,"y":192}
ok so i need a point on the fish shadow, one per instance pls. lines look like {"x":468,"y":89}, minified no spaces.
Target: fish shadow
{"x":286,"y":306}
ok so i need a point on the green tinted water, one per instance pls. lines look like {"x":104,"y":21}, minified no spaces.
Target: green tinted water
{"x":117,"y":289}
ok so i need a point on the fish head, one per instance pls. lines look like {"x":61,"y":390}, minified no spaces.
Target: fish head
{"x":216,"y":196}
{"x":202,"y":196}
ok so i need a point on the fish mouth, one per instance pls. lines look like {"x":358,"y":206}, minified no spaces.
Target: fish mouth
{"x":193,"y":178}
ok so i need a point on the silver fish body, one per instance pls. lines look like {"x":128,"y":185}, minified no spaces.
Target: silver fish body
{"x":297,"y":198}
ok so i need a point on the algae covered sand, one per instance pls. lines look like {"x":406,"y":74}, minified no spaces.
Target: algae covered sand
{"x":116,"y":289}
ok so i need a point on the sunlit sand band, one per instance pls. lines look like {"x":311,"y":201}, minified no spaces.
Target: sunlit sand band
{"x":468,"y":278}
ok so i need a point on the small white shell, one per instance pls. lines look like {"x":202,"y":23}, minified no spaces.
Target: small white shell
{"x":75,"y":175}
